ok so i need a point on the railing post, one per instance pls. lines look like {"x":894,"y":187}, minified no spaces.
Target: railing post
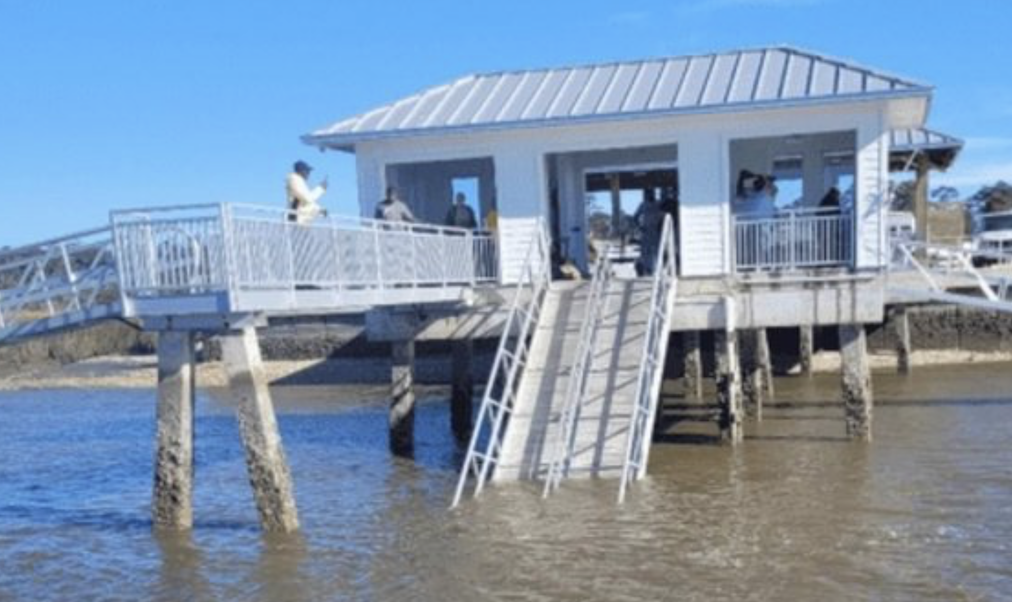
{"x":379,"y":255}
{"x":231,"y":275}
{"x":472,"y":255}
{"x":71,"y":277}
{"x":290,"y":247}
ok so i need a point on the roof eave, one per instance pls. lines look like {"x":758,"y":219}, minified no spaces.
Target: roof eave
{"x":347,"y":141}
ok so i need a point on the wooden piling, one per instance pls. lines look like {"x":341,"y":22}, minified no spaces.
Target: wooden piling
{"x":728,"y":386}
{"x":756,"y":371}
{"x":901,"y":323}
{"x":269,"y":474}
{"x":402,"y":397}
{"x":856,"y":381}
{"x":806,"y":348}
{"x":172,"y":500}
{"x":462,"y":391}
{"x":692,"y":364}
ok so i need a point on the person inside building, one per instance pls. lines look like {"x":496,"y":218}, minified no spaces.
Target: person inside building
{"x":302,"y":201}
{"x":755,"y":195}
{"x":393,"y":209}
{"x":460,"y":214}
{"x":649,"y":219}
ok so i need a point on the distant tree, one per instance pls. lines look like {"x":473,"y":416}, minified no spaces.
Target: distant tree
{"x":945,"y":194}
{"x":902,"y":196}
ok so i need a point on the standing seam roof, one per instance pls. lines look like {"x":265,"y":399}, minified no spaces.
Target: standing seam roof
{"x":723,"y":80}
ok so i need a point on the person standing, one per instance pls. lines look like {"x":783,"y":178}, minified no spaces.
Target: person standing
{"x":301,"y":200}
{"x":393,"y":209}
{"x":460,"y":214}
{"x":649,"y":219}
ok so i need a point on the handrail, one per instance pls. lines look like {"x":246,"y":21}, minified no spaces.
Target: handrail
{"x":507,"y":368}
{"x":651,"y":372}
{"x":958,"y":261}
{"x":576,"y":388}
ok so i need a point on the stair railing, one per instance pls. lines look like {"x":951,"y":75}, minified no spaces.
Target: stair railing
{"x":651,"y":372}
{"x":576,"y":388}
{"x":485,"y":446}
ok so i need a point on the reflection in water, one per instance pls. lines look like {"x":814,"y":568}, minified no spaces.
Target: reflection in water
{"x":797,"y":512}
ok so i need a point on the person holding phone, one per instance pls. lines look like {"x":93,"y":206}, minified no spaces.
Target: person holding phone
{"x":302,"y":201}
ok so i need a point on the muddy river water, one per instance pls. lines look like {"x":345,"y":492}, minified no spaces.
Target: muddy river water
{"x":797,"y":512}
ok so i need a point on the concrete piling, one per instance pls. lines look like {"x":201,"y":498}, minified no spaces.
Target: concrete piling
{"x":172,"y":501}
{"x":757,"y":372}
{"x":728,"y":386}
{"x":461,"y":402}
{"x":901,"y":322}
{"x":856,"y":381}
{"x":269,"y":474}
{"x":692,"y":364}
{"x":402,"y":397}
{"x":806,"y":348}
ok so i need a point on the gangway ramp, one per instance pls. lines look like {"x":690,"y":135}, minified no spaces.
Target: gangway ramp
{"x":602,"y":423}
{"x":211,"y":264}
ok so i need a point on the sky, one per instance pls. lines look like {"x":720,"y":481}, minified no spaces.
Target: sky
{"x":117,"y":104}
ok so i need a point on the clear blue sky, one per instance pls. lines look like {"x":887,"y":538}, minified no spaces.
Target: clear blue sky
{"x":107,"y":104}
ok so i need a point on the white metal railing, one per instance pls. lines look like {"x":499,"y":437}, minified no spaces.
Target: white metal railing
{"x":242,"y":248}
{"x":66,"y":277}
{"x":485,"y":446}
{"x":651,"y":372}
{"x":795,"y":239}
{"x":576,"y":388}
{"x":944,"y":267}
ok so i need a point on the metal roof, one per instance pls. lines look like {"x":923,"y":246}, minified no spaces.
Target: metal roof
{"x":922,"y":139}
{"x":906,"y":145}
{"x":732,"y":80}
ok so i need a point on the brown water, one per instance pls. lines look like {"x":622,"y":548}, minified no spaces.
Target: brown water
{"x":796,"y":513}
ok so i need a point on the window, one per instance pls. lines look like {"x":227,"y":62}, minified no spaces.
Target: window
{"x":789,"y":182}
{"x":838,"y":172}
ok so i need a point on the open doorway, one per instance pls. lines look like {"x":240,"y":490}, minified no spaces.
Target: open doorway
{"x":593,"y":196}
{"x":617,"y":217}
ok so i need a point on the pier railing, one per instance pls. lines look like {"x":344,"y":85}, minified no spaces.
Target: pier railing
{"x":794,"y":239}
{"x":260,"y":255}
{"x":651,"y":373}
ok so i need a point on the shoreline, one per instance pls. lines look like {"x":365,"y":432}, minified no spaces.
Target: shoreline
{"x":364,"y":374}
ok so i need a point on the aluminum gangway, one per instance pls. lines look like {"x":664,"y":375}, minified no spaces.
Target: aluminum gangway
{"x":933,"y":273}
{"x":227,"y":260}
{"x":581,"y":383}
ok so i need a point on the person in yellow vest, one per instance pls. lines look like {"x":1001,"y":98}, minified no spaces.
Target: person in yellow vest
{"x":302,"y":200}
{"x":492,"y":221}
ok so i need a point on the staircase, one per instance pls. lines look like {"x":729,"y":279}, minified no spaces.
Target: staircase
{"x":597,"y":443}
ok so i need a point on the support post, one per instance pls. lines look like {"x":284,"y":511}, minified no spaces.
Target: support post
{"x":402,"y":397}
{"x":806,"y":348}
{"x":461,"y":403}
{"x":728,"y":386}
{"x":765,"y":363}
{"x":901,"y":322}
{"x":856,"y":381}
{"x":172,"y":501}
{"x":756,"y":371}
{"x":921,"y":196}
{"x":692,"y":364}
{"x":268,"y":470}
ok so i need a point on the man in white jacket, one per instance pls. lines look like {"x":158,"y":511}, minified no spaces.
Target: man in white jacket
{"x":300,"y":198}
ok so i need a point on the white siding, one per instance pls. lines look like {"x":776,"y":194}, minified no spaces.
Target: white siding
{"x":515,"y":236}
{"x":701,"y":222}
{"x":872,"y":165}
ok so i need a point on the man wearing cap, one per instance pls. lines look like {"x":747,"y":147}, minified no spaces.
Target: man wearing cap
{"x":300,"y":199}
